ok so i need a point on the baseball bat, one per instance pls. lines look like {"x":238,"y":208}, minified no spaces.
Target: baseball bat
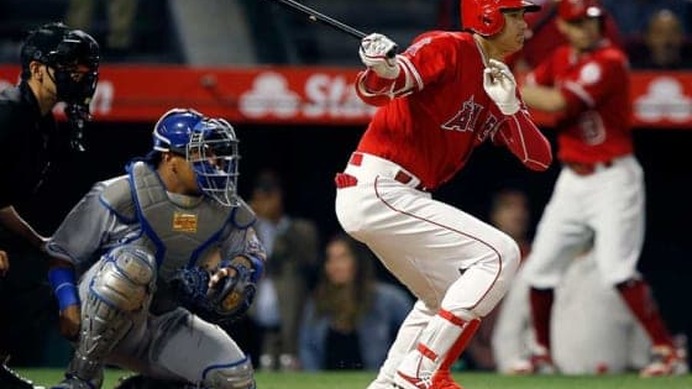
{"x":316,"y":16}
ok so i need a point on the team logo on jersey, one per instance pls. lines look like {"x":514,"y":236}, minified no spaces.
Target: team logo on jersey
{"x":465,"y":119}
{"x":184,"y":222}
{"x":590,"y":74}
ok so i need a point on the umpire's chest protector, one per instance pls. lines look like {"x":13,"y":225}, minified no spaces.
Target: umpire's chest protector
{"x":179,"y":235}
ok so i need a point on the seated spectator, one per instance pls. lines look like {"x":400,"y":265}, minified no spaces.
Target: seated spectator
{"x":351,"y":319}
{"x":663,"y":46}
{"x":632,"y":16}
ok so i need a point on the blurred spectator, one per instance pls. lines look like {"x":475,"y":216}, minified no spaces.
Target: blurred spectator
{"x":509,"y":212}
{"x":120,"y":15}
{"x":292,"y":246}
{"x":663,"y":45}
{"x":632,"y":16}
{"x":351,"y":318}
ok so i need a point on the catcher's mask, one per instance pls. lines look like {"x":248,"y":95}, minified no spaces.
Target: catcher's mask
{"x":209,"y":145}
{"x":213,"y":153}
{"x":74,"y":57}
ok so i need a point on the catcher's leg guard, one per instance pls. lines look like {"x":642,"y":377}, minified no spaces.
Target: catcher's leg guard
{"x":121,"y":286}
{"x":236,"y":376}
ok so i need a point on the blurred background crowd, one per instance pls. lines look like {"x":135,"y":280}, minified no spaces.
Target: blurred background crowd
{"x":326,"y":302}
{"x":655,"y":33}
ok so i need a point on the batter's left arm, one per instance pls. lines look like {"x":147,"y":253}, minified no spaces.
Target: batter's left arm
{"x":525,"y":141}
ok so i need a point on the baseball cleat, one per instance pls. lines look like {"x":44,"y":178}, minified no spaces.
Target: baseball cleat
{"x":665,"y":361}
{"x":542,"y":364}
{"x":440,"y":380}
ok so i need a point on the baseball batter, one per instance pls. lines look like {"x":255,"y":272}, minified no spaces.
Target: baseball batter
{"x":443,"y":96}
{"x":600,"y":190}
{"x":126,"y":240}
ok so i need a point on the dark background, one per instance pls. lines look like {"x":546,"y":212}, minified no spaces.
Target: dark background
{"x":308,"y":158}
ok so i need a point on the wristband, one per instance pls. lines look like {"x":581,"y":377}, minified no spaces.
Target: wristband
{"x":62,"y":279}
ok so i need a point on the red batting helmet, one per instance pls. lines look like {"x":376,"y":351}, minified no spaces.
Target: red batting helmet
{"x":572,"y":10}
{"x":484,"y":17}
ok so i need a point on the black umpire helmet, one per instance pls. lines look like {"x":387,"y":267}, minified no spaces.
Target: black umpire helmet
{"x":66,"y":51}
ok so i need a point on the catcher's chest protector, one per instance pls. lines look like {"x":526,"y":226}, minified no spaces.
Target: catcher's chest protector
{"x":179,"y":236}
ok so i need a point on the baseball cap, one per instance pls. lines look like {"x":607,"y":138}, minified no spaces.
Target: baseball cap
{"x":573,"y":10}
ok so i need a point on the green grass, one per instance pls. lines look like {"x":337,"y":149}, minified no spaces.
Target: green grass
{"x":468,"y":380}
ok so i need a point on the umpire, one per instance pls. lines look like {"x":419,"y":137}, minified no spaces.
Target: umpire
{"x":59,"y":64}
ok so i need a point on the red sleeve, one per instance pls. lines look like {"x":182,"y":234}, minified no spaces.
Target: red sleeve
{"x":521,"y":136}
{"x":375,"y":90}
{"x":432,"y":56}
{"x":427,"y":60}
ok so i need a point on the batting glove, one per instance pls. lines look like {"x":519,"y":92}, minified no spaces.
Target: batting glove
{"x":500,"y":85}
{"x":376,"y":53}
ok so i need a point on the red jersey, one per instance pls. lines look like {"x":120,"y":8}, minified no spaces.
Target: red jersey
{"x":432,"y":129}
{"x":595,"y":126}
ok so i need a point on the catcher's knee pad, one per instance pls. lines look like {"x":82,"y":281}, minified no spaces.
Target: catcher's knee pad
{"x":126,"y":278}
{"x":121,"y":286}
{"x":239,"y":375}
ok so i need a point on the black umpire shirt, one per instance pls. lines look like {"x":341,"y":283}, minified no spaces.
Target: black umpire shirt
{"x":29,"y":144}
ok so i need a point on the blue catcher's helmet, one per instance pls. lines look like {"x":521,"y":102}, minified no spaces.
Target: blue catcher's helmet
{"x":209,"y":145}
{"x":172,"y":131}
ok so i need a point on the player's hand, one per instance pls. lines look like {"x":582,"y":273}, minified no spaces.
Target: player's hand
{"x":224,"y":272}
{"x":500,"y":85}
{"x":4,"y":263}
{"x":219,"y":275}
{"x":70,"y":321}
{"x":377,"y":53}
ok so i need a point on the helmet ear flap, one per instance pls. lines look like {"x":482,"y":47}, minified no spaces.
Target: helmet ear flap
{"x":482,"y":16}
{"x":492,"y":19}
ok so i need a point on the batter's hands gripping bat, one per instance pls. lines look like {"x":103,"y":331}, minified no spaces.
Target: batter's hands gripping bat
{"x":316,"y":16}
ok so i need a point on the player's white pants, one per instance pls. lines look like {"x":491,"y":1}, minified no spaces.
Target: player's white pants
{"x":446,"y":257}
{"x":609,"y":205}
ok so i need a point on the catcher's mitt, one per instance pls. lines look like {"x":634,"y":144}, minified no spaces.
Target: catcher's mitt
{"x":228,"y":300}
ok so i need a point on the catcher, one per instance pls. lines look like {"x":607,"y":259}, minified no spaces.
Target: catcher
{"x":148,"y":263}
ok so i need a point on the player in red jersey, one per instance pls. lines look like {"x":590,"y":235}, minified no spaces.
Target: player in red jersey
{"x":599,"y":194}
{"x":443,"y":96}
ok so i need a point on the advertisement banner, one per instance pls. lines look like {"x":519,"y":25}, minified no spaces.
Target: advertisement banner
{"x":309,"y":95}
